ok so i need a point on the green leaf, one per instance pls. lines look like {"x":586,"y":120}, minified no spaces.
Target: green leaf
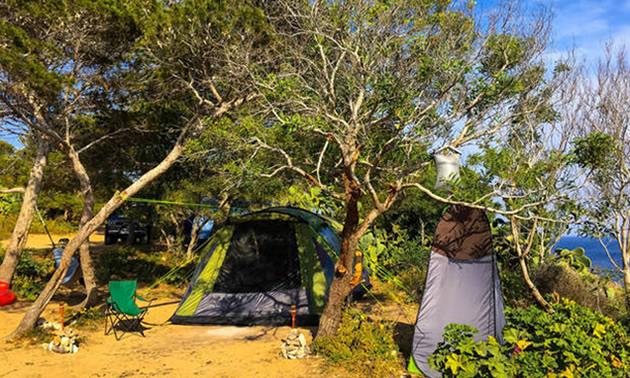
{"x":454,"y":362}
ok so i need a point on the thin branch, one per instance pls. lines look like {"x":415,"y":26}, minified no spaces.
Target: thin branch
{"x":289,"y":165}
{"x":514,"y":212}
{"x":12,"y":190}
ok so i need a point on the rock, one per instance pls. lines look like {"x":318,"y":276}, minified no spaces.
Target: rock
{"x":64,"y":342}
{"x":294,"y":346}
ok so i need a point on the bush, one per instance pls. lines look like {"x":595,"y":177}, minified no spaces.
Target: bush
{"x":460,"y":356}
{"x":127,"y":262}
{"x":362,"y":346}
{"x":30,"y":276}
{"x":55,"y":226}
{"x":403,"y":268}
{"x":573,"y":341}
{"x":514,"y":287}
{"x":584,"y":288}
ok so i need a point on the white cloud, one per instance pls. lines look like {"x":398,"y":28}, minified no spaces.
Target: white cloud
{"x":575,"y":19}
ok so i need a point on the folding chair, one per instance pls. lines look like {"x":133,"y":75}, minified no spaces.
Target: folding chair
{"x":123,"y":313}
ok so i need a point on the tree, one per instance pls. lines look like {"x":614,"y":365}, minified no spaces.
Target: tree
{"x":27,"y":210}
{"x":377,"y":87}
{"x":63,"y":61}
{"x":178,"y":39}
{"x":533,"y":167}
{"x":602,"y":147}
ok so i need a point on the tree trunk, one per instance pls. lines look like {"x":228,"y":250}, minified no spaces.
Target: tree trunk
{"x":87,"y":266}
{"x":179,"y":232}
{"x":534,"y":290}
{"x":625,"y":267}
{"x":25,"y":218}
{"x":331,"y":317}
{"x":131,"y":237}
{"x":33,"y":313}
{"x":521,"y":259}
{"x":341,"y":284}
{"x":626,"y":284}
{"x":194,"y":233}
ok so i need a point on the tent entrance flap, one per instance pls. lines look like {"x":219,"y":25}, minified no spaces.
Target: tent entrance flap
{"x":261,"y":257}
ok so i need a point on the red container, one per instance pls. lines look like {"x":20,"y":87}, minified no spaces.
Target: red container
{"x":6,"y":296}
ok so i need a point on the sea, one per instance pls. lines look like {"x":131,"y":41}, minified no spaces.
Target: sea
{"x":593,"y":250}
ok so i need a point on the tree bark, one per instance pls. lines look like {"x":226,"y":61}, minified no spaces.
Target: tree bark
{"x":341,"y":285}
{"x":25,"y":218}
{"x":626,"y":285}
{"x":12,"y":190}
{"x":33,"y":313}
{"x":131,"y":236}
{"x":87,"y":266}
{"x":625,"y":269}
{"x":331,"y":317}
{"x":532,"y":288}
{"x":193,"y":237}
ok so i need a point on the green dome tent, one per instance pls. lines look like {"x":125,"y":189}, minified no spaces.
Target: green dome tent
{"x":258,"y":265}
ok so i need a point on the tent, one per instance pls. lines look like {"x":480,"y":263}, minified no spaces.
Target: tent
{"x":257,"y":266}
{"x":462,"y":284}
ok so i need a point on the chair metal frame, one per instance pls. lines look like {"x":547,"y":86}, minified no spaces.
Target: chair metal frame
{"x":120,"y":321}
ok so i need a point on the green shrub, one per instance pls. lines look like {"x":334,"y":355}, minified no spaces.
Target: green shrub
{"x":362,"y":346}
{"x":460,"y":356}
{"x":586,"y":289}
{"x":55,"y":226}
{"x":146,"y":267}
{"x":404,"y":269}
{"x":412,"y":279}
{"x":31,"y":275}
{"x":573,"y":341}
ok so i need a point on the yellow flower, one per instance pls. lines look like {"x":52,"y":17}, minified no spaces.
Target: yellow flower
{"x":522,"y":344}
{"x":615,"y":361}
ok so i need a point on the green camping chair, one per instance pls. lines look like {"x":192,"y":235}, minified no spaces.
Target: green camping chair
{"x":123,"y":313}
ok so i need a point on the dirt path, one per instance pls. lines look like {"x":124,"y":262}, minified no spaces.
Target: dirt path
{"x":168,"y":350}
{"x":42,"y":241}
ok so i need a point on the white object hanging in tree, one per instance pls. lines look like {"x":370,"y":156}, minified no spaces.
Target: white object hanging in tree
{"x":447,"y":166}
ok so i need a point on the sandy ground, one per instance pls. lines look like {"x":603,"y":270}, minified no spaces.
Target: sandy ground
{"x":168,"y":350}
{"x":40,"y":241}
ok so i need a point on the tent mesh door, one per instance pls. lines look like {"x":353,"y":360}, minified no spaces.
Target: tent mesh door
{"x":262,"y":257}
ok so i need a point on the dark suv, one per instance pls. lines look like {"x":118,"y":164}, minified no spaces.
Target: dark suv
{"x":117,"y":228}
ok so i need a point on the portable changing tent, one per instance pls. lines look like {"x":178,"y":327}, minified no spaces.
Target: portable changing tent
{"x":462,"y":284}
{"x":258,"y":265}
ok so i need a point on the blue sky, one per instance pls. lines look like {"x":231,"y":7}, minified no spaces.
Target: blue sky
{"x":586,"y":25}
